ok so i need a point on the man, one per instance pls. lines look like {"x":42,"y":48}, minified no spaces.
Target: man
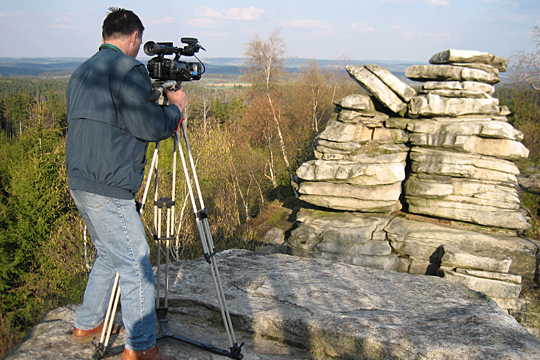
{"x":110,"y":122}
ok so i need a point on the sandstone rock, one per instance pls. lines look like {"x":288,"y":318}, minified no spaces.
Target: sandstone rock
{"x":374,"y":119}
{"x":481,"y":128}
{"x":404,"y":91}
{"x":392,"y":136}
{"x":466,"y":190}
{"x":338,"y":131}
{"x":351,"y":238}
{"x":351,"y":204}
{"x":274,"y":236}
{"x":498,"y":148}
{"x":376,"y":87}
{"x":421,"y":239}
{"x":343,"y":309}
{"x":459,"y":85}
{"x":490,"y":287}
{"x":371,"y":248}
{"x":491,"y":275}
{"x":432,"y":105}
{"x":373,"y":193}
{"x":346,"y":220}
{"x":357,"y":102}
{"x":505,"y":111}
{"x":338,"y":310}
{"x":457,"y":258}
{"x":397,"y":123}
{"x":461,"y":170}
{"x":461,"y":94}
{"x":483,"y":67}
{"x":530,"y":183}
{"x":368,"y":153}
{"x":449,"y":73}
{"x":463,"y":118}
{"x":472,"y":166}
{"x":355,"y":173}
{"x":520,"y":304}
{"x":325,"y":146}
{"x":474,"y":213}
{"x":469,"y":56}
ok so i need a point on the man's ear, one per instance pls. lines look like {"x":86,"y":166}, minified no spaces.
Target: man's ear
{"x":133,"y":37}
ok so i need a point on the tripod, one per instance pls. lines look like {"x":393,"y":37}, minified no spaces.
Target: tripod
{"x":164,"y":234}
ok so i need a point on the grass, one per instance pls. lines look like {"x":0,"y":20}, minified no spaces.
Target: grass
{"x":222,"y":82}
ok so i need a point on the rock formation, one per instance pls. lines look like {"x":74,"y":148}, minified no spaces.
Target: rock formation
{"x":462,"y":147}
{"x":286,"y":307}
{"x":445,"y":155}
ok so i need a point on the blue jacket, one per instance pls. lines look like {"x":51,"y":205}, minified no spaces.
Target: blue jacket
{"x":110,"y":122}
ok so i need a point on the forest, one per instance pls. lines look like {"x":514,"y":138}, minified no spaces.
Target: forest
{"x":247,"y":142}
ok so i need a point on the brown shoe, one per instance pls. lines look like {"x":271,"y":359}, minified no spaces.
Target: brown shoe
{"x":83,"y":336}
{"x":150,"y":354}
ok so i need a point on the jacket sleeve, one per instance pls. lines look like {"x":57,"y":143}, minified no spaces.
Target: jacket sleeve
{"x":145,"y":120}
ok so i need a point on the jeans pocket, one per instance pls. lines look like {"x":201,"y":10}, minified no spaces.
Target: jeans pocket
{"x":93,"y":201}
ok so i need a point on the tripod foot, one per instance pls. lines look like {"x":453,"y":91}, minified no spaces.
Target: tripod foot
{"x":236,"y":351}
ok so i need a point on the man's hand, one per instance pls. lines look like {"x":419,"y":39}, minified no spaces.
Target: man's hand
{"x":178,"y":98}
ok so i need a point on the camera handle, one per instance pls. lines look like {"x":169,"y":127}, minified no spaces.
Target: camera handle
{"x":159,"y":90}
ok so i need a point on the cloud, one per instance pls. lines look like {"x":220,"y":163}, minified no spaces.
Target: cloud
{"x":358,"y":26}
{"x":67,"y":27}
{"x":13,"y":14}
{"x":307,"y":24}
{"x":363,"y":29}
{"x":415,"y":35}
{"x":510,"y":18}
{"x":160,"y":21}
{"x":245,"y":14}
{"x":63,"y":19}
{"x":442,"y":3}
{"x":498,"y":4}
{"x":201,"y":23}
{"x":404,"y":2}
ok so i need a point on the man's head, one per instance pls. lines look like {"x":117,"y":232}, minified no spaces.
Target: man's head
{"x":121,"y":23}
{"x":124,"y":29}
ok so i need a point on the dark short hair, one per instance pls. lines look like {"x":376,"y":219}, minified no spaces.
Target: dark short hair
{"x":121,"y":22}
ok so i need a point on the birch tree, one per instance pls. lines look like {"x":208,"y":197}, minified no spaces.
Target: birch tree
{"x":265,"y":70}
{"x":526,"y":72}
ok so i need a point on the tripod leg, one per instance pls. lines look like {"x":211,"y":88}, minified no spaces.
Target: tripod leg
{"x":111,"y":319}
{"x":203,"y":227}
{"x":108,"y":322}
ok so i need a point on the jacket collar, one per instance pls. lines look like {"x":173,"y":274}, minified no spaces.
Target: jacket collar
{"x":110,"y":46}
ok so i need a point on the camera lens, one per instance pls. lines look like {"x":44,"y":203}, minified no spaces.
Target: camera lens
{"x":151,"y":48}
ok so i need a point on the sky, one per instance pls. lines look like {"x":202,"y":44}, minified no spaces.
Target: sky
{"x":389,"y":30}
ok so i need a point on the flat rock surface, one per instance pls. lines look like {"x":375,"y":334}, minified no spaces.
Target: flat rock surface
{"x":328,"y":308}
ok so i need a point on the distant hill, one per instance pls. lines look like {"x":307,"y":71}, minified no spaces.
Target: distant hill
{"x":63,"y":67}
{"x":37,"y":67}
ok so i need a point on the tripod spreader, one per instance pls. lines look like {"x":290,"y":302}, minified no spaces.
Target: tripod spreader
{"x":202,"y":214}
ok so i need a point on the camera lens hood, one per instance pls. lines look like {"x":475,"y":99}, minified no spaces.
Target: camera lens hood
{"x":151,"y":48}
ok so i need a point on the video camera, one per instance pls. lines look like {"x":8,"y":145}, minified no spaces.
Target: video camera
{"x":163,"y":69}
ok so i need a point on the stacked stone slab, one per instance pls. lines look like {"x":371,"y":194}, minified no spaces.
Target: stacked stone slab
{"x":359,"y":165}
{"x":463,"y":149}
{"x":359,"y":168}
{"x":481,"y":271}
{"x":349,"y":237}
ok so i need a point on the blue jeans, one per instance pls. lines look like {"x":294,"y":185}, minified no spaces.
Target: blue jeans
{"x":118,"y":234}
